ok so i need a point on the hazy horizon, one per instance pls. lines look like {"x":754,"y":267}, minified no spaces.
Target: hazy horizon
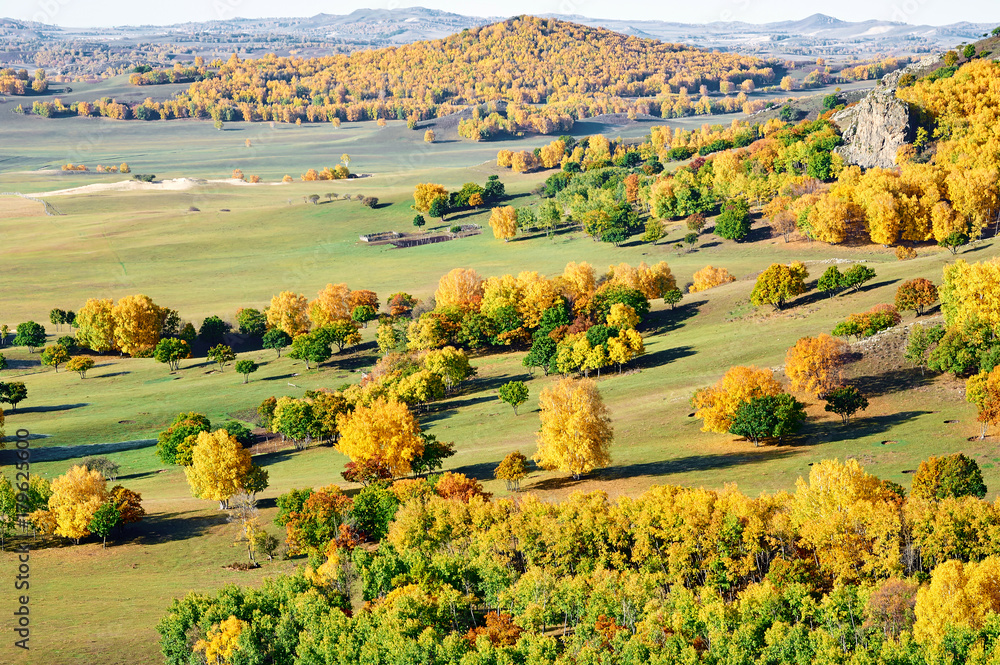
{"x":114,"y":13}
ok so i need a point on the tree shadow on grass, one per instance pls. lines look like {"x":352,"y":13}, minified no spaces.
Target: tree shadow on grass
{"x":480,"y":471}
{"x":109,"y":375}
{"x":663,"y":357}
{"x":50,"y":408}
{"x":279,"y":377}
{"x":862,"y":427}
{"x":666,"y":320}
{"x":167,"y":527}
{"x":15,"y":364}
{"x":136,"y":476}
{"x":892,"y":381}
{"x":444,"y":410}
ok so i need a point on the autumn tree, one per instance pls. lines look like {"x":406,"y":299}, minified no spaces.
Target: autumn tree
{"x":76,"y":496}
{"x":709,"y":277}
{"x":512,"y":470}
{"x":80,"y":365}
{"x":128,"y":503}
{"x":331,"y":304}
{"x":960,"y":595}
{"x":385,"y":429}
{"x":503,"y":221}
{"x":814,"y":364}
{"x":717,"y":405}
{"x":55,"y":355}
{"x":948,"y":476}
{"x":462,"y":287}
{"x":451,"y":364}
{"x":425,"y":193}
{"x":288,"y":312}
{"x":429,"y":136}
{"x":983,"y":390}
{"x":219,"y":467}
{"x":845,"y":402}
{"x":514,"y":393}
{"x":916,"y":294}
{"x":778,"y":284}
{"x":576,"y":433}
{"x":137,"y":323}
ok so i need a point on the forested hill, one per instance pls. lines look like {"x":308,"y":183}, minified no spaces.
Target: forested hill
{"x":521,"y":60}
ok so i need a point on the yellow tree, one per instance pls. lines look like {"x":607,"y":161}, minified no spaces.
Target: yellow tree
{"x":622,"y":317}
{"x":578,"y":284}
{"x":709,"y":278}
{"x":424,"y":193}
{"x":96,"y":325}
{"x":971,"y":290}
{"x":576,"y":432}
{"x":625,"y":346}
{"x":288,"y":312}
{"x":331,"y":304}
{"x":76,"y":496}
{"x":429,"y":136}
{"x":960,"y":595}
{"x":222,"y":641}
{"x":385,"y":431}
{"x":219,"y":467}
{"x":462,"y":287}
{"x":503,"y":221}
{"x":813,"y":365}
{"x":850,"y":519}
{"x":717,"y":405}
{"x":137,"y":323}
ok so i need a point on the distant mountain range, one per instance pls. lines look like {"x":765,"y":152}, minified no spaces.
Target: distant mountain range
{"x":816,"y":34}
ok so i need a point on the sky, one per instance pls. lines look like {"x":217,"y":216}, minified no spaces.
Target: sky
{"x":95,"y":13}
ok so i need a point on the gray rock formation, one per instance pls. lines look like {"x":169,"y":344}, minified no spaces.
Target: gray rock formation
{"x":876,"y":127}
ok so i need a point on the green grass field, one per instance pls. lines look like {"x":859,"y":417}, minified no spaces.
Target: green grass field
{"x":90,"y":604}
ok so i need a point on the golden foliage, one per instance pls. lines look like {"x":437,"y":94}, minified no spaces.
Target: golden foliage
{"x":385,"y":430}
{"x":76,"y":496}
{"x":288,"y":312}
{"x":813,"y":364}
{"x":503,"y":221}
{"x":96,"y":325}
{"x":462,"y":287}
{"x":331,"y":304}
{"x":717,"y":405}
{"x":709,"y":278}
{"x":576,"y":432}
{"x":137,"y":323}
{"x":219,"y":465}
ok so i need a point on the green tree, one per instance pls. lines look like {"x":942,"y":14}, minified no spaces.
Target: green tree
{"x":222,"y":355}
{"x":433,"y":456}
{"x":363,"y":314}
{"x":213,"y":330}
{"x":514,"y":393}
{"x":439,"y":207}
{"x":276,"y":339}
{"x":310,"y":348}
{"x":171,"y":351}
{"x":419,"y":221}
{"x":31,"y":335}
{"x":733,"y":223}
{"x":831,"y":281}
{"x":857,"y":276}
{"x":246,"y":368}
{"x":373,"y":509}
{"x":768,"y":417}
{"x":251,"y":321}
{"x":845,"y":402}
{"x":952,"y":475}
{"x":186,"y":424}
{"x":672,"y":297}
{"x":104,"y":520}
{"x":13,"y":393}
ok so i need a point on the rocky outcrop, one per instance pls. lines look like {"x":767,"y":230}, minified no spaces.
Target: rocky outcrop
{"x":876,"y":127}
